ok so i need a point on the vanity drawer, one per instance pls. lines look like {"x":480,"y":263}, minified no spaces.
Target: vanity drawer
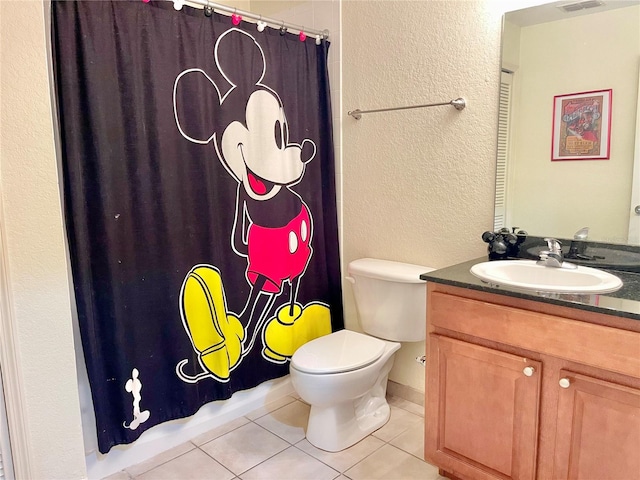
{"x":590,"y":344}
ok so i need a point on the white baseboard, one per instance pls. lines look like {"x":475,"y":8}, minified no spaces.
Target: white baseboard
{"x":171,"y":434}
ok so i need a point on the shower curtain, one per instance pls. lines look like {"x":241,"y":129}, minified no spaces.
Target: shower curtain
{"x":199,"y":195}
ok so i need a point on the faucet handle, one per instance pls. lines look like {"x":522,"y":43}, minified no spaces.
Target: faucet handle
{"x":581,"y":234}
{"x":554,"y":257}
{"x":555,"y":245}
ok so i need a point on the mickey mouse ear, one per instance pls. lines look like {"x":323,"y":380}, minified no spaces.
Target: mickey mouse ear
{"x":195,"y":92}
{"x":227,"y":59}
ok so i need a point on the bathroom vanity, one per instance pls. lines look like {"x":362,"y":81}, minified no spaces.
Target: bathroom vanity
{"x":531,"y":385}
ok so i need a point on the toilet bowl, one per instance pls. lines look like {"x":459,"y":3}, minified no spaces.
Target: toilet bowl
{"x":347,"y":392}
{"x":343,"y":375}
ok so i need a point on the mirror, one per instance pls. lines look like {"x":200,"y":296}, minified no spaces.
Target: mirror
{"x":549,"y":51}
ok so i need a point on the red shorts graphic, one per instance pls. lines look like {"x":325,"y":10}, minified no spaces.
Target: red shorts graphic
{"x":279,"y":253}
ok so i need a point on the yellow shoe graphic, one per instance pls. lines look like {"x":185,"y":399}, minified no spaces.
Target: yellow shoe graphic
{"x":215,"y":335}
{"x":285,"y":333}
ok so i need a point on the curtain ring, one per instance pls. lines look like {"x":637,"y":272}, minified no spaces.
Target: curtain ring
{"x":208,"y":10}
{"x":261,"y":24}
{"x":235,"y":18}
{"x":283,"y":29}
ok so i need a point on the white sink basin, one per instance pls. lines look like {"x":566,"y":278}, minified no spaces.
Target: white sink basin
{"x":527,"y":275}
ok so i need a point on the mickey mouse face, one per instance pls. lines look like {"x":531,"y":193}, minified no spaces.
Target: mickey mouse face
{"x":260,"y":155}
{"x":242,"y":116}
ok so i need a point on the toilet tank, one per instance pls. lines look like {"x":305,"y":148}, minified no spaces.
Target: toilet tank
{"x":390,"y":298}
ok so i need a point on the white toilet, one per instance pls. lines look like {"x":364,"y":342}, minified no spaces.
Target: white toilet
{"x":343,"y":375}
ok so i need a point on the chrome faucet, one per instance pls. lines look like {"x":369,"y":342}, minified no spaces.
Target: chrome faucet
{"x":578,"y":244}
{"x":554,"y":257}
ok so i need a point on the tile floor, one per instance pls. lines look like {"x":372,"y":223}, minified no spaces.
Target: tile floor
{"x":270,"y":444}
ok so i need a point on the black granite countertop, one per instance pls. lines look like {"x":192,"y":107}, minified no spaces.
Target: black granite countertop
{"x":623,"y":303}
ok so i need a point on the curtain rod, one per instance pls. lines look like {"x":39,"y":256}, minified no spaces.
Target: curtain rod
{"x":458,"y":104}
{"x":209,"y":6}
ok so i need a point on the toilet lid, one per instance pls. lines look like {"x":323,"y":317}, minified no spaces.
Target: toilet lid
{"x":341,"y":351}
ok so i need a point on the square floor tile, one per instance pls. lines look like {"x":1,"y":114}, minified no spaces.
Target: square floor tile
{"x":219,"y":431}
{"x":159,"y":459}
{"x":194,"y":465}
{"x":400,"y":421}
{"x":406,"y":405}
{"x":288,"y":422}
{"x":291,"y":464}
{"x":390,"y":462}
{"x":344,"y":459}
{"x":411,"y":441}
{"x":244,"y":447}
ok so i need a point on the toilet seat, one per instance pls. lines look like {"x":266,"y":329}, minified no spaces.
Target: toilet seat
{"x":338,"y":352}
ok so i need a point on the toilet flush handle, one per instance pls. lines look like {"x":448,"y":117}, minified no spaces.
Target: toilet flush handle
{"x":350,"y":279}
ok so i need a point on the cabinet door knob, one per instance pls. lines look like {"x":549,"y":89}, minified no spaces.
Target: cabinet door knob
{"x":528,"y":371}
{"x":564,"y":382}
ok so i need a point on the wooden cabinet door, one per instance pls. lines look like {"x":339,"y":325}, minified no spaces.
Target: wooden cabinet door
{"x":482,"y":411}
{"x":598,"y":430}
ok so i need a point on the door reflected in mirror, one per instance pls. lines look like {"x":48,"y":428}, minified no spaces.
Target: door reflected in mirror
{"x":549,"y":52}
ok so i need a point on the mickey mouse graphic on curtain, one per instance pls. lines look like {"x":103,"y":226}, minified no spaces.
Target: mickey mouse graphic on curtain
{"x":272,"y":229}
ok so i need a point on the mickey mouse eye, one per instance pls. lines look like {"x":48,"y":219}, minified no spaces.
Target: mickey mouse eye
{"x":279,"y":135}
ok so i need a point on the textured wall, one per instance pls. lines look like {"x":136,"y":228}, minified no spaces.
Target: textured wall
{"x":33,"y":229}
{"x":418,"y":184}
